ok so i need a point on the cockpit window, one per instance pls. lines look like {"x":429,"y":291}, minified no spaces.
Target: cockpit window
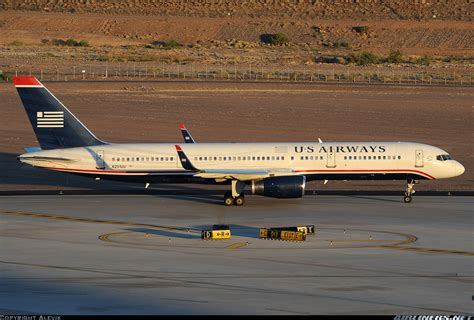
{"x":444,"y":157}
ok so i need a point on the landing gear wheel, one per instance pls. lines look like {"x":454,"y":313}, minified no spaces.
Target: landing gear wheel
{"x":240,"y":200}
{"x":228,"y":199}
{"x":409,"y":191}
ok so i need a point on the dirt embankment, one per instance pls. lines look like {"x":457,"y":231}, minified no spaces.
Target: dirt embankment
{"x":310,"y":9}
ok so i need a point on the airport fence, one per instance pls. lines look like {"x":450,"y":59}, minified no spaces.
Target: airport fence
{"x":342,"y":74}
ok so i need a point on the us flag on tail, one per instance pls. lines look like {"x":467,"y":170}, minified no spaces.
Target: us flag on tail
{"x":50,"y":119}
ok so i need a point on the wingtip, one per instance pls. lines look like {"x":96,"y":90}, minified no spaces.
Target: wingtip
{"x":26,"y":81}
{"x":181,"y":125}
{"x":178,"y":148}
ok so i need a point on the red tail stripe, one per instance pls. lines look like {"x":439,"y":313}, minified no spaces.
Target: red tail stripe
{"x":26,"y":81}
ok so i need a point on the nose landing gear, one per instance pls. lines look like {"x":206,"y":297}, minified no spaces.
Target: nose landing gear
{"x":410,"y":190}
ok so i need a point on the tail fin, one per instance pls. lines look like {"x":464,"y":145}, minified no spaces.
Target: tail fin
{"x":54,"y":125}
{"x":186,"y":134}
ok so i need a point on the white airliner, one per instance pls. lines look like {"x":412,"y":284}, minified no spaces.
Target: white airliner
{"x":278,"y":170}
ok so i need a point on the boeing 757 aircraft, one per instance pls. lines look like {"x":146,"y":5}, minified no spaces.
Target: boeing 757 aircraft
{"x":271,"y":169}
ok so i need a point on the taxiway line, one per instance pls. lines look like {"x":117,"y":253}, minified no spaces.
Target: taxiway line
{"x":237,"y":245}
{"x":430,"y":250}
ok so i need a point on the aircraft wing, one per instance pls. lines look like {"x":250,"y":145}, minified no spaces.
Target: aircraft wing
{"x":230,"y":174}
{"x":242,"y":174}
{"x":236,"y":174}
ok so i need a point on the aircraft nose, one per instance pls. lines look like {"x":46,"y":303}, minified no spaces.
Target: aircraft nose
{"x":458,"y":169}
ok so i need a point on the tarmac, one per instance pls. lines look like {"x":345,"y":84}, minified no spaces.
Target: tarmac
{"x":142,"y":254}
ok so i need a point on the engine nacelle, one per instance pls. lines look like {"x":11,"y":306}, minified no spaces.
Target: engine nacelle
{"x":280,"y":187}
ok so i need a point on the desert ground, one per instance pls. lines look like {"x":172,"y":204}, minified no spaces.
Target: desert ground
{"x":236,"y":32}
{"x":241,"y":111}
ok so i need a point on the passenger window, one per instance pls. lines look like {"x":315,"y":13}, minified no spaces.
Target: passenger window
{"x":321,"y":158}
{"x":399,"y":157}
{"x":380,"y":157}
{"x":302,"y":158}
{"x":384,"y":157}
{"x":282,"y":158}
{"x":365,"y":157}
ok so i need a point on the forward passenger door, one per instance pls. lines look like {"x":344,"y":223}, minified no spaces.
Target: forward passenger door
{"x":418,"y":158}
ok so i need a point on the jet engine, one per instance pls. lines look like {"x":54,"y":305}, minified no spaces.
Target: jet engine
{"x":280,"y":187}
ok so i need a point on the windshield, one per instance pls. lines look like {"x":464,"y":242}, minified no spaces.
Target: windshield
{"x":444,"y":157}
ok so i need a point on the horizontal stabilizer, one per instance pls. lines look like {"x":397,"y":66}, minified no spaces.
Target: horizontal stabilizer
{"x":44,"y":158}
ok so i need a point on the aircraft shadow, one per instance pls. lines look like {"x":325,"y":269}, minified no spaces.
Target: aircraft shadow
{"x":374,"y":198}
{"x":165,"y":233}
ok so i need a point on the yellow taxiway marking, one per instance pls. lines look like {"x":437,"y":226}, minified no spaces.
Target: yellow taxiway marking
{"x":237,"y":245}
{"x":87,"y":220}
{"x":363,"y":240}
{"x":430,"y":250}
{"x":105,"y":237}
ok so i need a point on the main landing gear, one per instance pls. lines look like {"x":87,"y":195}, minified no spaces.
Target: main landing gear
{"x":236,"y":197}
{"x":230,"y":200}
{"x":410,"y":190}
